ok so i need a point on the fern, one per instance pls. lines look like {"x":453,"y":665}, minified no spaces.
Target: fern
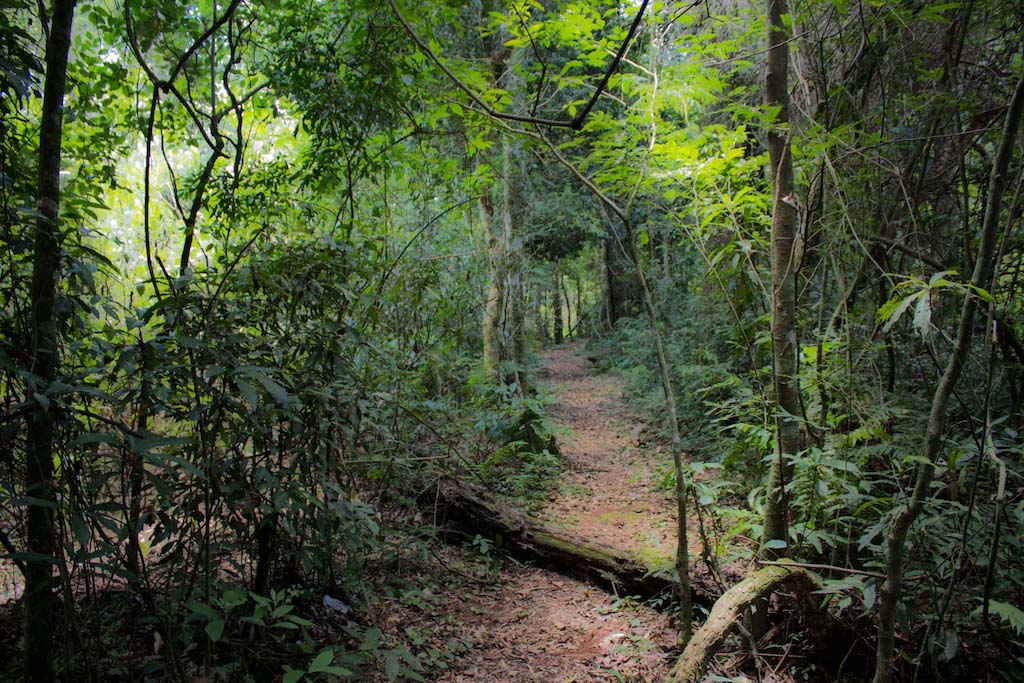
{"x":1008,"y":613}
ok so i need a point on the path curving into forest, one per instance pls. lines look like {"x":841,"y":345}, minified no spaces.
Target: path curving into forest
{"x":536,"y":625}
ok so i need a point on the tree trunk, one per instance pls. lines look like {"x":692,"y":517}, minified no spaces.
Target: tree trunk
{"x":783,"y":302}
{"x":568,"y":305}
{"x":896,"y":535}
{"x":137,"y":464}
{"x":45,"y":273}
{"x":514,"y":328}
{"x":623,"y":287}
{"x":266,"y":544}
{"x":495,"y":294}
{"x":556,"y":301}
{"x":495,"y":351}
{"x":783,"y":293}
{"x":579,"y":301}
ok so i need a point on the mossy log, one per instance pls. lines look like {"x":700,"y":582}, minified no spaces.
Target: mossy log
{"x":729,"y":608}
{"x":467,"y":510}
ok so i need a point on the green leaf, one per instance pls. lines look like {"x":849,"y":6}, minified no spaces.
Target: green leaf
{"x":95,"y":438}
{"x":205,"y":610}
{"x":1008,"y":613}
{"x":895,"y":308}
{"x":233,"y":598}
{"x":322,"y":661}
{"x":292,"y":675}
{"x":29,"y":557}
{"x":248,"y":392}
{"x":277,"y":392}
{"x":776,"y":544}
{"x":869,"y":596}
{"x":336,"y":671}
{"x":322,"y":665}
{"x":923,"y":314}
{"x":391,"y":666}
{"x":215,"y":629}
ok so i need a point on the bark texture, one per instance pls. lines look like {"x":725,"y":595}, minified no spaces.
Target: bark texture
{"x":556,"y":301}
{"x":783,"y":292}
{"x":45,"y":273}
{"x":514,"y":319}
{"x":495,"y":294}
{"x":470,"y":509}
{"x":729,"y":609}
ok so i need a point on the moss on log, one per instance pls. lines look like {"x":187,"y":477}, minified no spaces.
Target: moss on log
{"x":468,"y":509}
{"x":730,"y":607}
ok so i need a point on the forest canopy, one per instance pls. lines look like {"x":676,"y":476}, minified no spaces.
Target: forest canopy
{"x":313,"y":314}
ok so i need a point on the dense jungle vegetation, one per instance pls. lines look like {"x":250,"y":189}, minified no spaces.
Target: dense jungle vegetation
{"x":275,"y":276}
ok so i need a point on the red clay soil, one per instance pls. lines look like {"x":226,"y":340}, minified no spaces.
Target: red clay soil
{"x":535,"y":625}
{"x":610,"y":484}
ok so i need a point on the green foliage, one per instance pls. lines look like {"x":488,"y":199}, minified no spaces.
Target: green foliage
{"x":525,"y":459}
{"x":1012,"y":616}
{"x":243,"y":433}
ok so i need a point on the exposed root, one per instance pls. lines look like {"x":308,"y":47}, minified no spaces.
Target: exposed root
{"x":729,"y":608}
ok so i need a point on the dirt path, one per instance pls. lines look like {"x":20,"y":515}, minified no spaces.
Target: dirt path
{"x":536,"y":625}
{"x":610,"y":485}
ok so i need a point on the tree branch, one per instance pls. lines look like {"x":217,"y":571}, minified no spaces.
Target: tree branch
{"x":577,"y":121}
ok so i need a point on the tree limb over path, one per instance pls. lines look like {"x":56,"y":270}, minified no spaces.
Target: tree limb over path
{"x":576,"y":123}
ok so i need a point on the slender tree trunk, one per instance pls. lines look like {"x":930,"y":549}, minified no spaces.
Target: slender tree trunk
{"x":498,"y":313}
{"x":495,"y":294}
{"x":624,"y":288}
{"x":896,"y":536}
{"x":608,"y":307}
{"x":540,"y":318}
{"x":568,"y":304}
{"x":666,"y":252}
{"x":45,"y":273}
{"x":514,"y":327}
{"x":579,"y":300}
{"x":138,"y":464}
{"x":266,"y":542}
{"x":783,"y":326}
{"x":556,"y":300}
{"x":783,"y":302}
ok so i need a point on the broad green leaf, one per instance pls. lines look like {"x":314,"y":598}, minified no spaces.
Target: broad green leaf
{"x":215,"y":629}
{"x":322,"y":660}
{"x":1011,"y":615}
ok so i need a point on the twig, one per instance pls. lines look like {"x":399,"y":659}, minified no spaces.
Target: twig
{"x":9,"y":547}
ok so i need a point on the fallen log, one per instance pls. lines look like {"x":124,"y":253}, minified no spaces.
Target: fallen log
{"x":729,"y":608}
{"x":467,"y":510}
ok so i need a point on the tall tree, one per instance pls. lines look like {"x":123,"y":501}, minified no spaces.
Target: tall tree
{"x":783,"y":290}
{"x":45,"y":273}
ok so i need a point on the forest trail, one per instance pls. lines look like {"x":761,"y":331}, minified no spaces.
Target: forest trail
{"x":536,"y":625}
{"x":610,"y":485}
